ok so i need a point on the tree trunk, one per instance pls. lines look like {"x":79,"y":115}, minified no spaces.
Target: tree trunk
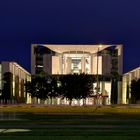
{"x":84,"y":102}
{"x":51,"y":100}
{"x":114,"y":91}
{"x":70,"y":102}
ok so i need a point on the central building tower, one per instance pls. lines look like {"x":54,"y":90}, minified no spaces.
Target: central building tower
{"x":100,"y":61}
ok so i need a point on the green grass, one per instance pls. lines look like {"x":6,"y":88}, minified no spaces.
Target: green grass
{"x":71,"y":138}
{"x":70,"y":123}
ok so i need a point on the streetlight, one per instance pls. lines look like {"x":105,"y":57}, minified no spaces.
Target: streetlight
{"x":98,"y":86}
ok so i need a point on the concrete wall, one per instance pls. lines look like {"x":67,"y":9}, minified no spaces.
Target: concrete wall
{"x":56,"y":65}
{"x":20,"y":76}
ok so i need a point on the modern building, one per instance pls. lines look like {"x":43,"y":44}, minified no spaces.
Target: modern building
{"x":95,"y":60}
{"x":127,"y":78}
{"x":12,"y":82}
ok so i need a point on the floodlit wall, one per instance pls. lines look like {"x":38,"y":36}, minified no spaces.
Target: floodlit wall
{"x":87,"y":54}
{"x":126,"y":82}
{"x":56,"y":65}
{"x":20,"y":76}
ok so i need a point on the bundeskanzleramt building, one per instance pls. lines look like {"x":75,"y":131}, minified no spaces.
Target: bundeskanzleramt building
{"x":102,"y":60}
{"x":12,"y":82}
{"x":127,"y":78}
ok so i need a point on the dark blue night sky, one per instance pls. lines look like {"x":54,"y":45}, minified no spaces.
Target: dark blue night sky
{"x":23,"y":22}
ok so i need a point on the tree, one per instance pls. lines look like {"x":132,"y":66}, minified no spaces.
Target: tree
{"x":52,"y":86}
{"x":127,"y":94}
{"x":37,"y":87}
{"x":114,"y":87}
{"x":17,"y":89}
{"x":85,"y":86}
{"x":7,"y":90}
{"x":31,"y":88}
{"x":135,"y":90}
{"x":75,"y":86}
{"x":23,"y":96}
{"x":41,"y":86}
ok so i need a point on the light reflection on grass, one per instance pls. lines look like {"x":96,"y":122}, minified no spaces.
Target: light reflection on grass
{"x":13,"y":130}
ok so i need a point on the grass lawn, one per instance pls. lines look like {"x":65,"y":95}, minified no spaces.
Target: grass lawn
{"x":133,"y":109}
{"x":69,"y":123}
{"x":70,"y":138}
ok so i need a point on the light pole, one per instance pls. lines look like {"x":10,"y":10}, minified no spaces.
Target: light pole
{"x":97,"y":86}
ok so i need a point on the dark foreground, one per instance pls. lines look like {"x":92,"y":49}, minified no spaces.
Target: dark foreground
{"x":44,"y":126}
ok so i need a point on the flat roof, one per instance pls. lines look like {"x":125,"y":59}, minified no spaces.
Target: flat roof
{"x":16,"y":64}
{"x":61,"y":48}
{"x":133,"y":70}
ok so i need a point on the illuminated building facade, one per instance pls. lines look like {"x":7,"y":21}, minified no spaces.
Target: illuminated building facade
{"x":99,"y":60}
{"x":15,"y":77}
{"x":127,"y":78}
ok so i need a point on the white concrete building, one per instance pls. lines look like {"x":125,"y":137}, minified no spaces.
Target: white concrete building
{"x":17,"y":76}
{"x":127,"y":78}
{"x":66,"y":59}
{"x":101,"y":60}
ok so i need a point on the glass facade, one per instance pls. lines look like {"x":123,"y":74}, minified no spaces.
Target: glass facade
{"x":75,"y":62}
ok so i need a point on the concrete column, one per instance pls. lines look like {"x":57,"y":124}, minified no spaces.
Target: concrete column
{"x":68,"y":68}
{"x":33,"y":55}
{"x":91,"y":64}
{"x":83,"y":64}
{"x":119,"y":92}
{"x":103,"y":87}
{"x":61,"y":64}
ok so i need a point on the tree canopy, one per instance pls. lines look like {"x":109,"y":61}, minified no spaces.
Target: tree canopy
{"x":76,"y":86}
{"x":135,"y":90}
